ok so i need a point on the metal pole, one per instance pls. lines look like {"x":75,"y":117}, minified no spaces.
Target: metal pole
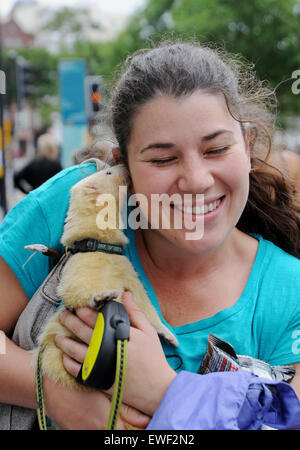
{"x":2,"y":178}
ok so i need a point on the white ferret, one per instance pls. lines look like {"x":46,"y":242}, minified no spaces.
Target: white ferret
{"x":90,"y":278}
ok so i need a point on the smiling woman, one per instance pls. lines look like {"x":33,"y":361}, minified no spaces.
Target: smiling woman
{"x":193,"y":128}
{"x":202,"y":152}
{"x":171,"y":74}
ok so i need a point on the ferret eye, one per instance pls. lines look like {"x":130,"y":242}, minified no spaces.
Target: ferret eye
{"x":108,"y":173}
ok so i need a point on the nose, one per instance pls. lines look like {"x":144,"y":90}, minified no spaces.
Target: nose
{"x":195,"y":176}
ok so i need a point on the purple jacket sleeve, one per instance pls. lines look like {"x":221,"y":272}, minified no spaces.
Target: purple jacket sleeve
{"x":226,"y":401}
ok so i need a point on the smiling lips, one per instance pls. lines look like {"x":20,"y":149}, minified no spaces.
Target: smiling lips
{"x":199,"y":209}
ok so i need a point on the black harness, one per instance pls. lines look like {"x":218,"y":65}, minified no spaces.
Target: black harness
{"x":93,"y":245}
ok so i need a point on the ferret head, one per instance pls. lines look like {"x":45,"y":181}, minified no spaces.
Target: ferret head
{"x":92,"y":199}
{"x":106,"y":181}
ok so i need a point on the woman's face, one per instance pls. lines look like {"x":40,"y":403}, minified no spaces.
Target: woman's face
{"x":191,"y":145}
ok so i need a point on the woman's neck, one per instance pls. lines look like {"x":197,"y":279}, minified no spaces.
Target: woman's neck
{"x":208,"y":283}
{"x":160,"y":256}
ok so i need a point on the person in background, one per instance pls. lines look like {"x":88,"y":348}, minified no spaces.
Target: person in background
{"x":44,"y":166}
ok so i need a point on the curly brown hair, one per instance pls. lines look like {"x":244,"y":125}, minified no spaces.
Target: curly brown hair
{"x":179,"y":69}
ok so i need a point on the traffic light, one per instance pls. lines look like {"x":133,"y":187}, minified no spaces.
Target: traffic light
{"x":96,"y":98}
{"x":94,"y":95}
{"x":24,"y":74}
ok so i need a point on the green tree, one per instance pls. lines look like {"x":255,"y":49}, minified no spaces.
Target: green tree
{"x":264,"y":32}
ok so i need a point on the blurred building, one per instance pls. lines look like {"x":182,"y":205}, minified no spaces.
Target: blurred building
{"x":25,"y":26}
{"x":14,"y":36}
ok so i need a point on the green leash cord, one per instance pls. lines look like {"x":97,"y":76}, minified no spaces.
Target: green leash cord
{"x":39,"y":390}
{"x":119,"y":384}
{"x":121,"y":364}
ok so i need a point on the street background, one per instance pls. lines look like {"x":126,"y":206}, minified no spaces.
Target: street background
{"x":59,"y":59}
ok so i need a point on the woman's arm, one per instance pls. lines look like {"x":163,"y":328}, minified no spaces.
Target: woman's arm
{"x":16,"y":386}
{"x":17,"y":374}
{"x":69,"y":409}
{"x":12,"y":298}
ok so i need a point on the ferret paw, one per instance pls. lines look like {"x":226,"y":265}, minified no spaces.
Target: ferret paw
{"x":166,"y":334}
{"x":98,"y":300}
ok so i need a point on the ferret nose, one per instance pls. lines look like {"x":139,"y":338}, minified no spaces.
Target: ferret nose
{"x":125,"y":174}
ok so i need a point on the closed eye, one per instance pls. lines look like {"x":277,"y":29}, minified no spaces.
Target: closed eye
{"x":217,"y":151}
{"x":162,"y":160}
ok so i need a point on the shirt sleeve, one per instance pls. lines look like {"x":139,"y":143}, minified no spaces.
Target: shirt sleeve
{"x":25,"y":224}
{"x":226,"y":401}
{"x":38,"y":219}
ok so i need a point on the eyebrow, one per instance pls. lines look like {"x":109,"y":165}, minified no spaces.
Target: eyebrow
{"x":209,"y":137}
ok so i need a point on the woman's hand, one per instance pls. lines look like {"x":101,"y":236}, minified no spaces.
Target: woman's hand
{"x":148,"y":373}
{"x":72,"y":409}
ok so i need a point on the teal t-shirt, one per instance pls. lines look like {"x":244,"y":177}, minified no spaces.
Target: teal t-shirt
{"x":263,"y":323}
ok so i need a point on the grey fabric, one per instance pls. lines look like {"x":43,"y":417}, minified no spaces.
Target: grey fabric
{"x":29,"y":326}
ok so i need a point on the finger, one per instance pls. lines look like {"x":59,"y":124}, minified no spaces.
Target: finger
{"x":71,"y":365}
{"x":136,"y":316}
{"x":76,"y":325}
{"x":133,"y":418}
{"x":76,"y":350}
{"x":87,"y":315}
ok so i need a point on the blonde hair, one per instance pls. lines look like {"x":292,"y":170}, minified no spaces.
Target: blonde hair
{"x":47,"y":147}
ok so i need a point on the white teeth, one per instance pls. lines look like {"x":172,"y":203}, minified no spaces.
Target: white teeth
{"x":198,"y":209}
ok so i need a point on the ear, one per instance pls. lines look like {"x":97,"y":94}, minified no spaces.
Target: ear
{"x":116,"y":155}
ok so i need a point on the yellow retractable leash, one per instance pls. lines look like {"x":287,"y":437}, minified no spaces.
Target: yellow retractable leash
{"x":105,"y":362}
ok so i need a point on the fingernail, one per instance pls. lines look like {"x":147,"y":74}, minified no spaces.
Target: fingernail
{"x":57,"y":340}
{"x":62,"y":314}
